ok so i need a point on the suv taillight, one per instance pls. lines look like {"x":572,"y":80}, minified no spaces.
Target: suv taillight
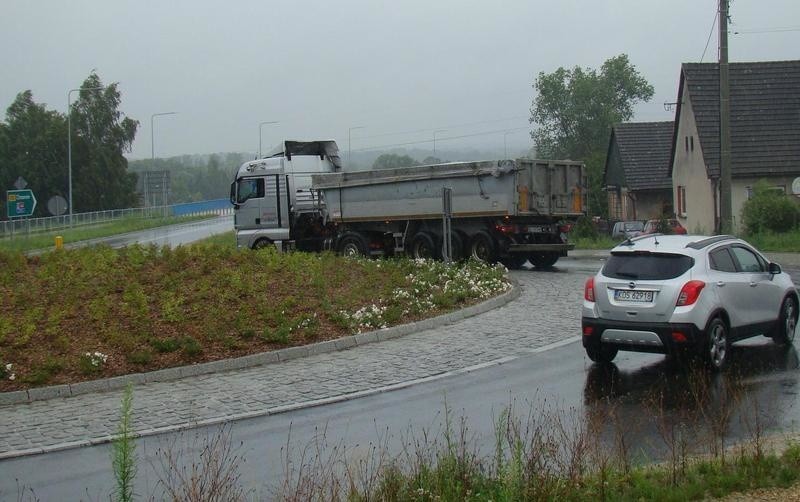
{"x":690,"y":293}
{"x":588,"y":290}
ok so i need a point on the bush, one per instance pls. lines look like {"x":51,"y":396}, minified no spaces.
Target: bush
{"x":769,"y":211}
{"x":584,"y":229}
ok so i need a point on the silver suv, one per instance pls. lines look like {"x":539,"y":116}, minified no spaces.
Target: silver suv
{"x":673,"y":294}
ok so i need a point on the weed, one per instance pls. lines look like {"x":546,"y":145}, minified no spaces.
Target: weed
{"x":123,"y":458}
{"x":191,"y":347}
{"x":165,"y":345}
{"x":140,"y":357}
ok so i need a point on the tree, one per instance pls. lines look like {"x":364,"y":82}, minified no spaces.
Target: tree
{"x":575,"y":109}
{"x":33,"y":145}
{"x":100,"y":136}
{"x":392,"y":160}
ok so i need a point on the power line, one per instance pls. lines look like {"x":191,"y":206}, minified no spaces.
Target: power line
{"x":485,"y":133}
{"x":765,"y":30}
{"x":710,"y":33}
{"x":466,"y":124}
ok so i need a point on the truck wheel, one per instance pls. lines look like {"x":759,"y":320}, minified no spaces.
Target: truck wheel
{"x":263,"y":243}
{"x":482,"y":248}
{"x":423,"y":246}
{"x":513,"y":261}
{"x":353,"y":244}
{"x":543,"y":260}
{"x":457,"y":240}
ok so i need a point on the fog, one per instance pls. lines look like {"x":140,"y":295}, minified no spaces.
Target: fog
{"x":383,"y":73}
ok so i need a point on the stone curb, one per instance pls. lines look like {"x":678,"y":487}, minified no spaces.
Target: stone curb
{"x":277,"y":356}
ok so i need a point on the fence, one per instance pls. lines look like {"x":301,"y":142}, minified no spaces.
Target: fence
{"x":37,"y":225}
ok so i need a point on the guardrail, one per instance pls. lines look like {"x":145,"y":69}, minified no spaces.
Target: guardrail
{"x":37,"y":225}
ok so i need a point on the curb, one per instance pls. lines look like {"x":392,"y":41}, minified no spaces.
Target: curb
{"x":249,"y":361}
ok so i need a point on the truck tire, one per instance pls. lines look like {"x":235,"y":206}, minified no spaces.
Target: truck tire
{"x":457,"y":240}
{"x":513,"y":261}
{"x":353,"y":244}
{"x":263,"y":243}
{"x":482,"y":247}
{"x":423,"y":246}
{"x":543,"y":260}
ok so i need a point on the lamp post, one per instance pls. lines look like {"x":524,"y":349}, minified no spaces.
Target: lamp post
{"x":260,"y":125}
{"x":153,"y":158}
{"x":434,"y":139}
{"x":351,"y":129}
{"x":69,"y":139}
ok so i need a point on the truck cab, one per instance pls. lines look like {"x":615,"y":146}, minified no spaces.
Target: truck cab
{"x":270,"y":193}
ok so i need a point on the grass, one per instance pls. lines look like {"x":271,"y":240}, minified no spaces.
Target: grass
{"x":602,"y":242}
{"x":23,"y":242}
{"x":95,"y":312}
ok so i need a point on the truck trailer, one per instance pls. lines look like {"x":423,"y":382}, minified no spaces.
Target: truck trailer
{"x":299,"y":198}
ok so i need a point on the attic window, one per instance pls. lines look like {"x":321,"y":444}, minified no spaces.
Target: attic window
{"x":691,"y":142}
{"x":686,"y":141}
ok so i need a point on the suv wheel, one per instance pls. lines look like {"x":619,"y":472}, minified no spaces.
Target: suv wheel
{"x":601,"y":353}
{"x":787,"y":322}
{"x":718,"y":346}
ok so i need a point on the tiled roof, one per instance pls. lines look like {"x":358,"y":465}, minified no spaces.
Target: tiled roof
{"x":645,"y":149}
{"x":765,"y":115}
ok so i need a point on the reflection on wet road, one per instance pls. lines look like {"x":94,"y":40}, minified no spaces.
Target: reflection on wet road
{"x":172,"y":235}
{"x":657,"y":402}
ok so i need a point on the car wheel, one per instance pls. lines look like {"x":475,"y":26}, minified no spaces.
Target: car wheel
{"x":600,"y":353}
{"x":787,"y":322}
{"x":718,"y":345}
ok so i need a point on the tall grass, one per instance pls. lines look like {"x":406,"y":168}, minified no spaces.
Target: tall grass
{"x":124,"y":451}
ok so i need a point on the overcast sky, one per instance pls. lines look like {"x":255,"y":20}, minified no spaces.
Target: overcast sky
{"x":401,"y":69}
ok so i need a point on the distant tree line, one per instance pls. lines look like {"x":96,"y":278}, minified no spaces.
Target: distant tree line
{"x":33,"y":145}
{"x":393,"y":160}
{"x":196,"y":177}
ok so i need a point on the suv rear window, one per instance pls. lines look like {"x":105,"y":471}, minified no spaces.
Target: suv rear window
{"x":647,"y":266}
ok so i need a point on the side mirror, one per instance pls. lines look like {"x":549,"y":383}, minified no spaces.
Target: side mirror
{"x":774,"y":269}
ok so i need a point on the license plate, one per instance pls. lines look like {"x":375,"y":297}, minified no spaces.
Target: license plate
{"x":539,"y":230}
{"x":628,"y":295}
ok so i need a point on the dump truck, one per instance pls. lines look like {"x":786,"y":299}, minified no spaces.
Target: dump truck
{"x":508,"y":211}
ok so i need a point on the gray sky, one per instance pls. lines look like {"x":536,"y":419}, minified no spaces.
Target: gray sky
{"x":400,"y":69}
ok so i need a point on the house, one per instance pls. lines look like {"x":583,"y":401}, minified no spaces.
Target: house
{"x":637,"y":169}
{"x":765,"y":137}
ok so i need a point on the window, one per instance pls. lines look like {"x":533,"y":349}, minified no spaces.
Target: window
{"x":680,"y":195}
{"x":721,"y":260}
{"x":686,"y":141}
{"x":647,"y":266}
{"x":691,"y":143}
{"x":250,"y":188}
{"x":748,"y":261}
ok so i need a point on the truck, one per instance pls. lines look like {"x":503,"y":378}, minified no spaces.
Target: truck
{"x":298,"y":197}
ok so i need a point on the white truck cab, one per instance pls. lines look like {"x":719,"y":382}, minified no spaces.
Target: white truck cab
{"x":267,"y":193}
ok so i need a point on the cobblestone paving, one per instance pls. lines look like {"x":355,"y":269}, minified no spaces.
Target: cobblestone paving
{"x":547,"y":311}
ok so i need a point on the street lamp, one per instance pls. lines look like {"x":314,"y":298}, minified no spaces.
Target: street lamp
{"x":348,"y":140}
{"x":153,"y":157}
{"x":69,"y":139}
{"x":434,"y":139}
{"x":259,"y":134}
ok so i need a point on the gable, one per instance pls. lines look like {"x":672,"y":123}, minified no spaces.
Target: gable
{"x":765,"y":115}
{"x":642,"y":150}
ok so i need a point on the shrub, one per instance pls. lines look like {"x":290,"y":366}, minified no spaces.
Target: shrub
{"x":769,"y":210}
{"x":584,"y":229}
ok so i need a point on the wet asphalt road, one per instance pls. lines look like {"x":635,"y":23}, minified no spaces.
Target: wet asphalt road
{"x":638,"y":398}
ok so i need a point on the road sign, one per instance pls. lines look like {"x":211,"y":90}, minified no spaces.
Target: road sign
{"x":57,"y":205}
{"x":20,"y":184}
{"x":20,"y":203}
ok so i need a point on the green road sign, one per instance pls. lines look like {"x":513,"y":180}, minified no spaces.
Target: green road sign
{"x":20,"y":203}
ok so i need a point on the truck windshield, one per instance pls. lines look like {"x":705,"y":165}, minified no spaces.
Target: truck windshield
{"x":250,"y":188}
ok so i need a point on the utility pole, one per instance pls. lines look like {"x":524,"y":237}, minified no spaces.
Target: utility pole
{"x":725,"y":199}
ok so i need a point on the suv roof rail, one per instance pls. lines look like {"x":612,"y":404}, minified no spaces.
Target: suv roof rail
{"x":631,"y":240}
{"x":709,"y":241}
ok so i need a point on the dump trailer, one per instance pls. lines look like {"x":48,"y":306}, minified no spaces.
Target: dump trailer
{"x":508,"y":210}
